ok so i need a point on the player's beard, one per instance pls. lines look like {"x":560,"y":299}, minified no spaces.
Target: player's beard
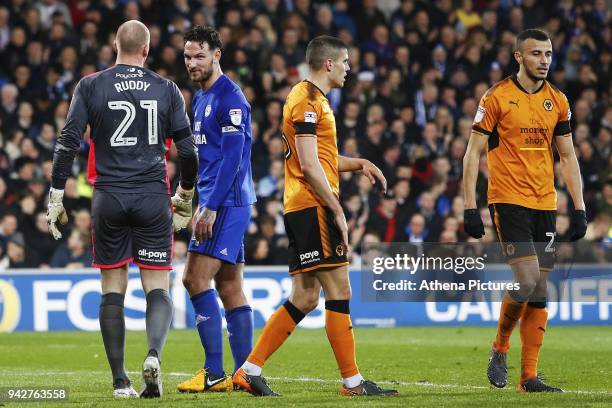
{"x":207,"y":73}
{"x":535,"y":75}
{"x":204,"y":74}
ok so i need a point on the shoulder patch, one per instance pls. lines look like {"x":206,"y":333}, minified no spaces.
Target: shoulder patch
{"x":310,"y":117}
{"x":236,"y":116}
{"x":479,"y":114}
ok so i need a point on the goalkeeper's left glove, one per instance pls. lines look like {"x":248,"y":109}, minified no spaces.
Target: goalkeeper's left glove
{"x":56,"y":212}
{"x":182,"y":202}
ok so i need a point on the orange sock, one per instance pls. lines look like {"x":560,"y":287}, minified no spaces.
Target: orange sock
{"x":509,"y":314}
{"x":340,"y":335}
{"x":275,"y":332}
{"x":533,"y":327}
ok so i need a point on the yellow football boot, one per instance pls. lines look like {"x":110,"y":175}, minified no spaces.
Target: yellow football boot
{"x":203,"y":381}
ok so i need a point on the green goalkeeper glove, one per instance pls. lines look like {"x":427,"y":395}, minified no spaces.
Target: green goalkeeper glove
{"x":56,"y":212}
{"x":182,"y":208}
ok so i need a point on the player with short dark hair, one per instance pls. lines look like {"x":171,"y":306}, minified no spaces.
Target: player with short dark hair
{"x":315,"y":223}
{"x":133,"y":114}
{"x":222,"y":130}
{"x":518,"y":119}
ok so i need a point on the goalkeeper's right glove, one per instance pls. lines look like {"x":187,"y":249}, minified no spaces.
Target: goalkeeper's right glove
{"x":56,"y":212}
{"x":182,"y":202}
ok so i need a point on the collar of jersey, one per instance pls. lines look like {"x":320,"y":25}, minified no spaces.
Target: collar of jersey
{"x":130,"y":65}
{"x":518,"y":84}
{"x":206,"y":92}
{"x":320,"y":90}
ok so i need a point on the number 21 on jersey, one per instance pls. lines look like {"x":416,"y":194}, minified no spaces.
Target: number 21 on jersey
{"x":118,"y":139}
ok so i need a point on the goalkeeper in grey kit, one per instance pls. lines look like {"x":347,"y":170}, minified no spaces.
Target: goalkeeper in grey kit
{"x":130,"y":110}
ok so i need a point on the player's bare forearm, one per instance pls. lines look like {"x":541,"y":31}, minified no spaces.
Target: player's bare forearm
{"x":470,"y":168}
{"x":570,"y":170}
{"x":352,"y":164}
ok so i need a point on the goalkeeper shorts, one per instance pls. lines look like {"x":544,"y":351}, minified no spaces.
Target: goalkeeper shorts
{"x":130,"y":227}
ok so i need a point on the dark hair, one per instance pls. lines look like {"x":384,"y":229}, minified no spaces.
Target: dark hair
{"x":534,"y":33}
{"x":322,"y":48}
{"x":202,"y":35}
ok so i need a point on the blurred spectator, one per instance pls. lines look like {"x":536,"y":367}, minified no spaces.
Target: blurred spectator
{"x":258,"y":252}
{"x":433,"y":221}
{"x":267,"y":228}
{"x":74,"y":254}
{"x":416,"y":230}
{"x":179,"y":252}
{"x":8,"y":225}
{"x":19,"y":255}
{"x":272,"y":184}
{"x":40,"y":240}
{"x":385,"y":220}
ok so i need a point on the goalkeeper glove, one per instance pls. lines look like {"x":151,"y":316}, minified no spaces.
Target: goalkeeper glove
{"x":472,"y":223}
{"x":56,"y":212}
{"x":578,"y":225}
{"x":182,"y":202}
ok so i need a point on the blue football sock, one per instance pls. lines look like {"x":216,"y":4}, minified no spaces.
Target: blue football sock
{"x":208,"y":322}
{"x":240,"y":332}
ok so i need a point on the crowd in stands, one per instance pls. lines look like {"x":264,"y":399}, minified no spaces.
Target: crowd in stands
{"x":418,"y":70}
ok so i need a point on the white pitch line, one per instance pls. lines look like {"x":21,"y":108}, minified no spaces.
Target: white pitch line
{"x":403,"y":383}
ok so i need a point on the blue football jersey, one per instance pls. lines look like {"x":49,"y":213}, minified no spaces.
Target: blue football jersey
{"x":222,"y":131}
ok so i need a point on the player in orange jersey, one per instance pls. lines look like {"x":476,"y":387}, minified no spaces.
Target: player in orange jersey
{"x":519,"y":118}
{"x":315,"y":223}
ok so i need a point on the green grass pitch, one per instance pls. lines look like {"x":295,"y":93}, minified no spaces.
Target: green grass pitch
{"x":432,"y":367}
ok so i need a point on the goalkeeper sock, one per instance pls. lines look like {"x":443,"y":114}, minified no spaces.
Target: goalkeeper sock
{"x":112,"y":326}
{"x":510,"y":313}
{"x":533,"y":328}
{"x":274,"y":334}
{"x":240,"y":333}
{"x":208,"y":322}
{"x":340,"y":335}
{"x":158,"y":318}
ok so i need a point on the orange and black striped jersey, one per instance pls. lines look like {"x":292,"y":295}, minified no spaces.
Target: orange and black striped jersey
{"x":308,"y":112}
{"x":520,"y":127}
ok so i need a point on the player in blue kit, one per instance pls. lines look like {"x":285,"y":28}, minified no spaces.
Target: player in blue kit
{"x":222,"y":130}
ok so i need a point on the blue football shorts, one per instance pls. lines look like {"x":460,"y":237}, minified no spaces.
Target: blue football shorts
{"x":227,"y":242}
